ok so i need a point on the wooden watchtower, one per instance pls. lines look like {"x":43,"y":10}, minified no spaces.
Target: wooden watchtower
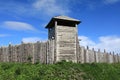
{"x":63,"y":30}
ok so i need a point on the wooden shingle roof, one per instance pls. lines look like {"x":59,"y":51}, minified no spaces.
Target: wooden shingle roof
{"x":66,"y":18}
{"x":61,"y":18}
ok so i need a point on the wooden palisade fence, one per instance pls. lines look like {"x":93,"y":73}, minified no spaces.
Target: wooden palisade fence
{"x":44,"y":52}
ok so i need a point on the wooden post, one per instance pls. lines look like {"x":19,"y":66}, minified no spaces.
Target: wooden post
{"x":56,"y":48}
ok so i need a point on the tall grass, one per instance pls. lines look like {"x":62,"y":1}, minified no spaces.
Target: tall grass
{"x":59,"y":71}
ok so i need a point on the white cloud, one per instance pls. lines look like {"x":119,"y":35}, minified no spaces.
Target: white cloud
{"x":85,"y":41}
{"x":111,"y":1}
{"x":34,"y":8}
{"x":20,"y":26}
{"x":50,"y":7}
{"x":110,"y":43}
{"x":47,"y":8}
{"x":31,"y":39}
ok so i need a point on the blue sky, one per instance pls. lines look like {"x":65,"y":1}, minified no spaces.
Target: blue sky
{"x":24,"y":20}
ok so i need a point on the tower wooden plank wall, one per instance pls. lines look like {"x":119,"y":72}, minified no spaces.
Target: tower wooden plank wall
{"x":64,"y":30}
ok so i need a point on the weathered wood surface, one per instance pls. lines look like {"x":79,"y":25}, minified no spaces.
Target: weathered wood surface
{"x":44,"y":52}
{"x":66,"y":43}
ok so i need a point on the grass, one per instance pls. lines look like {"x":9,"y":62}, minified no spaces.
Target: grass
{"x":59,"y":71}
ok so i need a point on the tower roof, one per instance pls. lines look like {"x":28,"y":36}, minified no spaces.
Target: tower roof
{"x":61,"y":18}
{"x":65,"y":18}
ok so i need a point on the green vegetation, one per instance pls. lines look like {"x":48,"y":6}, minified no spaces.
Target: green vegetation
{"x":59,"y":71}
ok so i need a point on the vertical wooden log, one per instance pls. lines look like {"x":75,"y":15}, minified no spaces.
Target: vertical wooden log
{"x":33,"y":53}
{"x":45,"y":57}
{"x":3,"y":55}
{"x":117,"y":58}
{"x":13,"y":52}
{"x":2,"y":49}
{"x":87,"y":47}
{"x":0,"y":53}
{"x":52,"y":51}
{"x":40,"y":52}
{"x":99,"y":56}
{"x":16,"y":53}
{"x":86,"y":55}
{"x":79,"y":55}
{"x":82,"y":55}
{"x":37,"y":51}
{"x":56,"y":40}
{"x":10,"y":52}
{"x":102,"y":57}
{"x":22,"y":53}
{"x":19,"y":53}
{"x":107,"y":58}
{"x":114,"y":60}
{"x":90,"y":56}
{"x":7,"y":54}
{"x":47,"y":52}
{"x":111,"y":60}
{"x":93,"y":55}
{"x":96,"y":57}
